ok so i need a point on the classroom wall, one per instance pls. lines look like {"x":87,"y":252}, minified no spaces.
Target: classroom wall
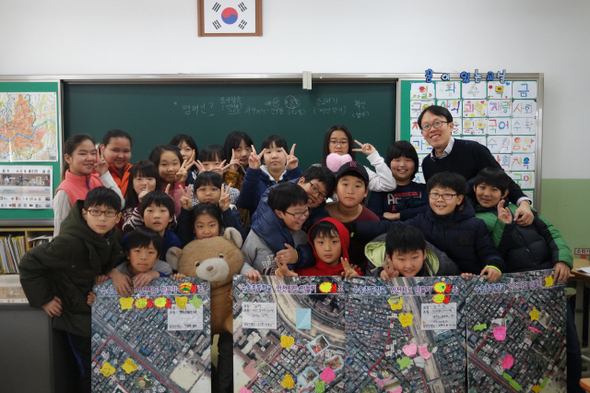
{"x":335,"y":36}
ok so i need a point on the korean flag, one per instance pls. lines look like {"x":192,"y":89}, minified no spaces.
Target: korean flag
{"x":230,"y":16}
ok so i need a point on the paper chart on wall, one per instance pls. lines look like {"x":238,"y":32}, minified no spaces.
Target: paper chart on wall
{"x":420,"y":144}
{"x":499,"y":143}
{"x":416,"y":107}
{"x":524,"y":108}
{"x":475,"y":108}
{"x":474,"y":90}
{"x":499,"y":126}
{"x":422,"y":91}
{"x":499,"y":108}
{"x":26,"y":187}
{"x":475,"y":126}
{"x":454,"y":106}
{"x":522,"y":162}
{"x":449,"y":89}
{"x":524,"y":144}
{"x":503,"y":159}
{"x":497,"y":90}
{"x":524,"y":89}
{"x":522,"y":125}
{"x":479,"y":139}
{"x":523,"y":179}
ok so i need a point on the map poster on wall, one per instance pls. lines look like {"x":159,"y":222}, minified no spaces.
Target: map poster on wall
{"x":158,"y":340}
{"x":289,"y":334}
{"x":28,"y":127}
{"x":26,"y":187}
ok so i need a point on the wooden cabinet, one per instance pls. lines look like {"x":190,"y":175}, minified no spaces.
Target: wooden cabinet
{"x":15,"y":241}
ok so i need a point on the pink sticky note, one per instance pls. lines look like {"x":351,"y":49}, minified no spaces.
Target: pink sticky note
{"x":500,"y":333}
{"x":328,"y":375}
{"x":508,"y":362}
{"x":424,"y":352}
{"x":535,"y":330}
{"x":244,"y":389}
{"x":398,"y":390}
{"x":410,"y":350}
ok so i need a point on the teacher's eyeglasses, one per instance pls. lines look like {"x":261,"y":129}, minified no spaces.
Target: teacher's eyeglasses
{"x":436,"y":124}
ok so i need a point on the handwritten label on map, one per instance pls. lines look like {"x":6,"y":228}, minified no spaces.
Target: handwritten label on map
{"x":187,"y":318}
{"x":439,"y":316}
{"x":259,"y":315}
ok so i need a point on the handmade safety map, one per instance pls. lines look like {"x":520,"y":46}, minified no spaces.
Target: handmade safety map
{"x":158,"y":340}
{"x":28,"y":127}
{"x":317,"y":334}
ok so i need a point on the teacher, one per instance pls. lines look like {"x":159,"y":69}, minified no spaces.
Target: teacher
{"x":462,"y":156}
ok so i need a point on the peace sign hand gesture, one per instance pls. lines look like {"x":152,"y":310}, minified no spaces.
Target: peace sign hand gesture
{"x":388,"y":271}
{"x":182,"y":173}
{"x":366,"y":148}
{"x":283,"y":271}
{"x":254,"y":159}
{"x":234,"y":163}
{"x":348,"y":271}
{"x":224,"y":199}
{"x":504,"y":213}
{"x":100,"y":166}
{"x":186,"y":201}
{"x":292,"y":161}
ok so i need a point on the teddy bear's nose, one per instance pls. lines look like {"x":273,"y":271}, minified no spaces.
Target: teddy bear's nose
{"x":209,"y":268}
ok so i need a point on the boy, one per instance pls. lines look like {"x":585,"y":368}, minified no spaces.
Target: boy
{"x":404,"y":252}
{"x":534,"y":247}
{"x":289,"y":204}
{"x":451,"y":226}
{"x":329,"y":239}
{"x":58,"y":276}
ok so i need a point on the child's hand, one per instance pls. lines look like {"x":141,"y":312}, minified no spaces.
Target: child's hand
{"x":101,"y":166}
{"x":388,"y":271}
{"x":225,"y":198}
{"x":90,"y":299}
{"x":167,"y":190}
{"x":493,"y":274}
{"x":100,"y":279}
{"x":467,"y":276}
{"x":141,"y":195}
{"x":348,"y":272}
{"x":292,"y":161}
{"x":53,"y":308}
{"x":121,"y":282}
{"x":523,"y":216}
{"x":391,"y":216}
{"x":186,"y":201}
{"x":253,"y":275}
{"x":178,"y":276}
{"x":143,"y":279}
{"x":182,"y":174}
{"x":288,"y":255}
{"x":234,"y":163}
{"x":504,"y":214}
{"x":366,"y":148}
{"x":562,"y":271}
{"x":254,"y":159}
{"x":283,"y":271}
{"x":221,"y":168}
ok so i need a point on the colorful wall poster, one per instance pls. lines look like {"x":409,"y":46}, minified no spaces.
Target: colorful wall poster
{"x":26,"y":186}
{"x":294,"y":339}
{"x":157,"y":340}
{"x":28,"y":127}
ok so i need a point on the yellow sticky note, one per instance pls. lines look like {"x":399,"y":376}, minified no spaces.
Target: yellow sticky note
{"x":126,"y":303}
{"x":549,"y":281}
{"x":288,"y":382}
{"x":537,"y":388}
{"x":396,"y":305}
{"x":439,"y":298}
{"x":406,"y":319}
{"x":129,"y":366}
{"x":107,"y":370}
{"x":534,"y":314}
{"x":287,"y":342}
{"x":181,"y":301}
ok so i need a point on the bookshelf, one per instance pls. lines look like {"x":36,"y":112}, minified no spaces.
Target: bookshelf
{"x":15,"y":241}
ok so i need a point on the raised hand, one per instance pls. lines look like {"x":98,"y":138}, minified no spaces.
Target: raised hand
{"x":388,"y":271}
{"x":186,"y":202}
{"x":504,"y":213}
{"x":221,"y":168}
{"x":167,"y":190}
{"x":288,"y":255}
{"x":254,"y":161}
{"x":224,"y":198}
{"x":292,"y":161}
{"x":234,"y":163}
{"x":366,"y":148}
{"x":182,"y":173}
{"x":348,"y":270}
{"x":283,"y":271}
{"x":101,"y":166}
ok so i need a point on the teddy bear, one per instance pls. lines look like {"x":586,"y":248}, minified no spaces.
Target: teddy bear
{"x":216,"y":260}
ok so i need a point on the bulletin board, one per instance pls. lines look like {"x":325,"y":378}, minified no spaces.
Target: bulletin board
{"x":504,"y":117}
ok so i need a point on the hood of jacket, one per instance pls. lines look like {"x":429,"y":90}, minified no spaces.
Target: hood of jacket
{"x":342,"y":233}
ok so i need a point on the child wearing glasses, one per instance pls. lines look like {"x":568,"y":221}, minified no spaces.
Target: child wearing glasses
{"x":58,"y":276}
{"x":451,"y":226}
{"x":338,"y":148}
{"x":288,"y":202}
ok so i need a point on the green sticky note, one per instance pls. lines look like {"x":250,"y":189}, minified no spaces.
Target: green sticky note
{"x":544,"y":382}
{"x":404,"y":362}
{"x":196,"y":301}
{"x":515,"y":385}
{"x":507,"y":376}
{"x":483,"y":326}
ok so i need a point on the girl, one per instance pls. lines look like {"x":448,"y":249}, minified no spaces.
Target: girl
{"x":278,"y":167}
{"x":172,"y":171}
{"x":237,"y":146}
{"x":213,"y":160}
{"x":338,"y":139}
{"x":78,"y":178}
{"x":116,"y":149}
{"x":209,"y":188}
{"x":409,"y":198}
{"x":144,"y":178}
{"x":188,"y":148}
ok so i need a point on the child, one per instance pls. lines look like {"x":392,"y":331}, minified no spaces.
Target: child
{"x":329,"y":239}
{"x":338,"y":139}
{"x":409,"y":198}
{"x":172,"y":170}
{"x":209,"y":188}
{"x":289,"y":204}
{"x":157,"y":212}
{"x":58,"y":276}
{"x":451,"y":226}
{"x":116,"y":150}
{"x":188,"y":148}
{"x":237,"y":146}
{"x":144,"y":178}
{"x":278,"y":167}
{"x":78,"y":177}
{"x":213,"y":160}
{"x":534,"y":247}
{"x":404,"y":252}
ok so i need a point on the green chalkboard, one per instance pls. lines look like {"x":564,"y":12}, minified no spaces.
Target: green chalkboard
{"x":153,"y":113}
{"x":26,"y":122}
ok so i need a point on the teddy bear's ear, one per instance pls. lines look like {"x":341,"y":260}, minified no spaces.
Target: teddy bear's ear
{"x":233,"y":235}
{"x":173,"y":256}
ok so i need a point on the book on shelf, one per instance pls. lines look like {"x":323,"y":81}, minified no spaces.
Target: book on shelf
{"x":12,"y":249}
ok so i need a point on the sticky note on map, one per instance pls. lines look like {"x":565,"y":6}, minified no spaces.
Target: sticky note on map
{"x":129,"y":366}
{"x":500,"y":333}
{"x":410,"y":350}
{"x":126,"y":303}
{"x":181,"y":301}
{"x":534,"y":314}
{"x":549,"y":281}
{"x":508,"y":362}
{"x":482,"y":326}
{"x":406,"y":319}
{"x":535,"y":330}
{"x":328,"y":375}
{"x":196,"y":301}
{"x":537,"y":388}
{"x":424,"y":352}
{"x":303,"y":318}
{"x":320,"y":386}
{"x":419,"y":362}
{"x":404,"y":362}
{"x":107,"y":370}
{"x":287,"y":341}
{"x":244,"y":389}
{"x":288,"y":382}
{"x":396,"y":302}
